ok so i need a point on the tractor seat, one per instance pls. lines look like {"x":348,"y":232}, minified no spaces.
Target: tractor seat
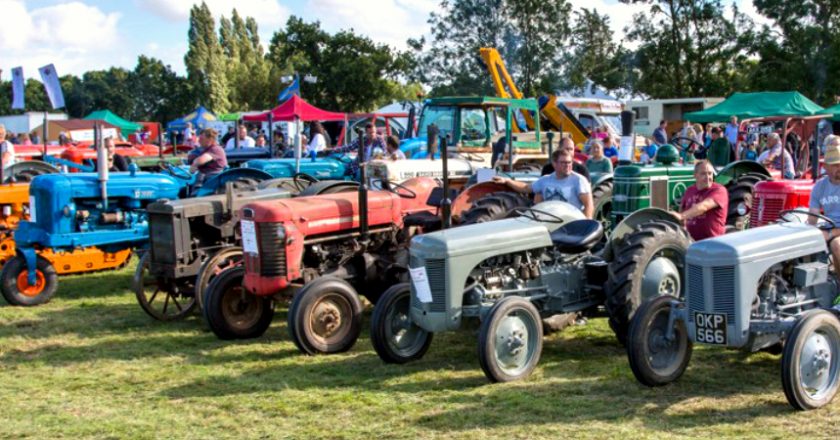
{"x":424,"y":219}
{"x":577,"y":236}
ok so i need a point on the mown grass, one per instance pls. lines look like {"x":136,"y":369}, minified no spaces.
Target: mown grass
{"x":92,"y":364}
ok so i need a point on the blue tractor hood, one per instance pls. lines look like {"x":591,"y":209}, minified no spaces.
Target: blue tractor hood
{"x":324,"y":168}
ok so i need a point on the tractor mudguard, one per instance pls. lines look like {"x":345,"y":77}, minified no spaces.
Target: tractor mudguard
{"x":629,"y":223}
{"x":468,"y":196}
{"x":231,"y":175}
{"x":31,"y":258}
{"x":28,"y":168}
{"x":329,"y":187}
{"x":596,"y":179}
{"x":736,"y":169}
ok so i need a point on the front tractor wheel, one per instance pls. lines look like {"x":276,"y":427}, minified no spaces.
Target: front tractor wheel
{"x":233,"y":313}
{"x":654,"y":358}
{"x":647,"y":264}
{"x":510,"y":340}
{"x":218,"y":263}
{"x":811,"y":361}
{"x":395,"y":338}
{"x":325,"y":317}
{"x":161,"y":299}
{"x":14,"y":282}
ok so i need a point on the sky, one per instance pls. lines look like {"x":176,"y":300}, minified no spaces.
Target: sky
{"x":82,"y":35}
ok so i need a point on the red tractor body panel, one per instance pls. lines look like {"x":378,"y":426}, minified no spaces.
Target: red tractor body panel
{"x":773,"y":196}
{"x":284,"y":228}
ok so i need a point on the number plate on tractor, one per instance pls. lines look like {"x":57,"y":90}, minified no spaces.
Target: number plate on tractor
{"x":249,"y":237}
{"x":710,"y":328}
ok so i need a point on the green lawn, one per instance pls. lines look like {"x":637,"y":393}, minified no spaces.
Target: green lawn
{"x":92,"y":364}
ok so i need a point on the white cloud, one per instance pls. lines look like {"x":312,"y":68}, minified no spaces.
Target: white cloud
{"x":385,"y":21}
{"x":267,"y":13}
{"x":72,"y":35}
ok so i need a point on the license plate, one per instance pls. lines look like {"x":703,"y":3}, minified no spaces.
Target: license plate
{"x":249,"y":237}
{"x":710,"y":328}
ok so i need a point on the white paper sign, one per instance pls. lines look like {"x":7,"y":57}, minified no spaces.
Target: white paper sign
{"x":485,"y":174}
{"x":32,"y":217}
{"x":627,"y":148}
{"x":249,"y":237}
{"x":421,"y":284}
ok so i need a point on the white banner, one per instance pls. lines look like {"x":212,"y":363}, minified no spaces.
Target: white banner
{"x":17,"y":88}
{"x":52,"y":86}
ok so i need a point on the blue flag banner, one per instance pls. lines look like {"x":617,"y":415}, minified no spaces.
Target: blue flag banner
{"x":17,"y":88}
{"x":52,"y":86}
{"x":293,"y":89}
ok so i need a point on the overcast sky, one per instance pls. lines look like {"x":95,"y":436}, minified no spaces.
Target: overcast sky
{"x":83,"y":35}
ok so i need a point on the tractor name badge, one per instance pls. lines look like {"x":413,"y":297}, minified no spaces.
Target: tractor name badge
{"x":249,"y":237}
{"x":420,"y":280}
{"x":710,"y":328}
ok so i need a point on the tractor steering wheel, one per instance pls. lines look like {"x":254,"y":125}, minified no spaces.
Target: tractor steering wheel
{"x":693,"y":144}
{"x":828,"y":225}
{"x":533,"y":215}
{"x":396,"y":188}
{"x":303,"y":180}
{"x":175,"y":171}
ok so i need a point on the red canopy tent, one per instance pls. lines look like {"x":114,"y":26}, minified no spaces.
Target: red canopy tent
{"x":296,"y":109}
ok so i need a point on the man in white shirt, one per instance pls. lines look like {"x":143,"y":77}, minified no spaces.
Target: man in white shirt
{"x":245,"y":141}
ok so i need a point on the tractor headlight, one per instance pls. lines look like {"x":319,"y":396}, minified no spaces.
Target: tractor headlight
{"x":742,"y":209}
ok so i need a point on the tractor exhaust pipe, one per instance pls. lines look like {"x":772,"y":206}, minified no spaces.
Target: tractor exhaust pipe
{"x":363,"y":189}
{"x":628,"y":142}
{"x":101,"y":163}
{"x":445,"y":203}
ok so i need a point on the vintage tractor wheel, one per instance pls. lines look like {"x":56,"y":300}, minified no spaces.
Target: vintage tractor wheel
{"x":510,"y":340}
{"x":811,"y":361}
{"x":602,"y":200}
{"x":233,"y":313}
{"x":394,"y":337}
{"x":159,"y":298}
{"x":15,"y":285}
{"x":646,"y":264}
{"x":655,"y":360}
{"x":740,"y":200}
{"x":494,"y":206}
{"x":325,"y":316}
{"x":218,"y":263}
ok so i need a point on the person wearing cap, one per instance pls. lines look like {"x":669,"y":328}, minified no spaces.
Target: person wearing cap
{"x":704,"y":205}
{"x":825,"y":197}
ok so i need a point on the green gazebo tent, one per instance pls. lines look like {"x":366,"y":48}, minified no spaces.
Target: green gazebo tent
{"x":758,"y":105}
{"x":126,"y":127}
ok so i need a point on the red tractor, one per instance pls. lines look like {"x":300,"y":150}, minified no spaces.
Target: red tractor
{"x":336,"y":246}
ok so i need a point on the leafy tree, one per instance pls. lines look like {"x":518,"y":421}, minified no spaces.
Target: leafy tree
{"x":159,"y":94}
{"x":205,"y":61}
{"x":689,"y":48}
{"x":594,"y":55}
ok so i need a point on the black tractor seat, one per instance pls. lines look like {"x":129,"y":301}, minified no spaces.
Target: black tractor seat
{"x":577,"y":236}
{"x":426,"y":220}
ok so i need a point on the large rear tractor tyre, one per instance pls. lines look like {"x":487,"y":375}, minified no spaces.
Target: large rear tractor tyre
{"x":218,"y":263}
{"x":395,"y":338}
{"x":740,"y":200}
{"x":233,"y":313}
{"x":811,"y":361}
{"x":648,"y":263}
{"x":494,"y":206}
{"x":654,"y":359}
{"x":15,"y":285}
{"x":160,"y":298}
{"x":510,"y":340}
{"x":602,"y":200}
{"x":325,"y":317}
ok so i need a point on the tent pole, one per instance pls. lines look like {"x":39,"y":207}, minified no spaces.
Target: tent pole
{"x":236,"y":136}
{"x":297,"y":145}
{"x":45,"y":135}
{"x":270,"y":134}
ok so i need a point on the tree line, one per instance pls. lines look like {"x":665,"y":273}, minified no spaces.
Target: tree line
{"x":674,"y":48}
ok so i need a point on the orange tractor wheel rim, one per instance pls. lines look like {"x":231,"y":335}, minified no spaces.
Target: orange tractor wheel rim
{"x":24,"y":287}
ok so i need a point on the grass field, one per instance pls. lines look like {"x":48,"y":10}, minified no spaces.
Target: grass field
{"x":92,"y":364}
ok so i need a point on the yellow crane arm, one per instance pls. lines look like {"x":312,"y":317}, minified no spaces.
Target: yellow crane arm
{"x":498,"y":72}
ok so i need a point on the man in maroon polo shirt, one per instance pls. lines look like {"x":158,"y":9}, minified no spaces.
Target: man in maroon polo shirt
{"x":704,"y":205}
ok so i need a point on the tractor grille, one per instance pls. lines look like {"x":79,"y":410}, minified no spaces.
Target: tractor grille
{"x":723,"y":284}
{"x":765,"y":209}
{"x":436,"y":270}
{"x":272,"y":244}
{"x":162,"y":237}
{"x":696,"y":299}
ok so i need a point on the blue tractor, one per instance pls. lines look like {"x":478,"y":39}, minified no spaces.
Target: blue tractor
{"x":71,"y":212}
